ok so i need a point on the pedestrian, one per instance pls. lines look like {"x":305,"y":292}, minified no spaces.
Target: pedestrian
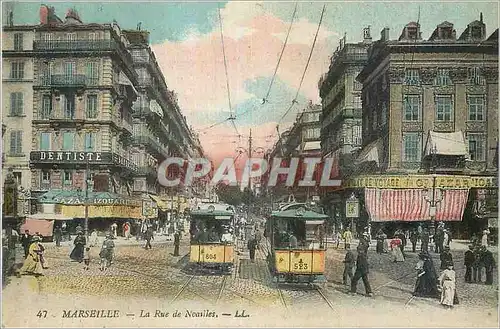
{"x":361,"y":273}
{"x":426,"y":284}
{"x":397,"y":255}
{"x":469,"y":259}
{"x":148,"y":236}
{"x":489,"y":264}
{"x":94,"y":239}
{"x":381,"y":237}
{"x":78,"y":229}
{"x":58,"y":236}
{"x":347,"y":239}
{"x":424,"y":247}
{"x":439,"y":238}
{"x":77,"y":252}
{"x":293,"y":242}
{"x":64,"y":229}
{"x":447,"y":286}
{"x":413,"y":240}
{"x":349,"y":263}
{"x":26,"y":242}
{"x":114,"y":229}
{"x":338,"y":238}
{"x":446,"y":239}
{"x":177,"y":239}
{"x":86,"y":258}
{"x":32,"y":264}
{"x":364,"y":242}
{"x":126,"y":230}
{"x":484,"y":238}
{"x":446,"y":258}
{"x":477,"y":266}
{"x":252,"y":245}
{"x":399,"y":234}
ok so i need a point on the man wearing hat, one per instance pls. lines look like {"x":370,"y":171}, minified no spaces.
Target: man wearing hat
{"x":445,"y":257}
{"x":469,"y":259}
{"x":362,"y":270}
{"x":489,"y":264}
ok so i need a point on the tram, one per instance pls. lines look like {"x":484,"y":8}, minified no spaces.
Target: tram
{"x":212,"y":238}
{"x":297,"y":245}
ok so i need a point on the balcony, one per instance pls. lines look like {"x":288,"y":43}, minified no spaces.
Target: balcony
{"x":147,"y":171}
{"x":85,"y":46}
{"x":64,"y":81}
{"x":153,"y":145}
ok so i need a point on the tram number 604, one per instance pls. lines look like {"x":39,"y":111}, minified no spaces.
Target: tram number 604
{"x":210,"y":256}
{"x":300,"y":266}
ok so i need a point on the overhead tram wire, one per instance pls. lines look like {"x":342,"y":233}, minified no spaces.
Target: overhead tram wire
{"x":294,"y":101}
{"x":265,"y":99}
{"x":231,"y":115}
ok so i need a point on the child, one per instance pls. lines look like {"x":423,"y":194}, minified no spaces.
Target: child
{"x":104,"y":257}
{"x":86,"y":258}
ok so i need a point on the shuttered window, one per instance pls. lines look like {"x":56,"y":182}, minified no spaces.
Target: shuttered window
{"x":16,"y":142}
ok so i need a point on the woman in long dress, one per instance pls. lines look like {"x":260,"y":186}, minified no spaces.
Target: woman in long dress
{"x":77,"y":253}
{"x":396,"y":250}
{"x":32,"y":263}
{"x":94,"y":239}
{"x":426,"y":285}
{"x":447,"y":285}
{"x":381,"y":236}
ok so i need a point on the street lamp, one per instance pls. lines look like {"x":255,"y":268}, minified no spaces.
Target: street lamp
{"x":86,"y":201}
{"x":430,"y":196}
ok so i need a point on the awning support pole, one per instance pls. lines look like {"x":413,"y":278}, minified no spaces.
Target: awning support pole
{"x":87,"y":179}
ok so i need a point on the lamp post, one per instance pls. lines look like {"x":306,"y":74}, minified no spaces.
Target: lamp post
{"x":433,"y":200}
{"x":86,"y":202}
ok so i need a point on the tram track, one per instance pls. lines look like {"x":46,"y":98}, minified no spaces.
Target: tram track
{"x":322,"y":294}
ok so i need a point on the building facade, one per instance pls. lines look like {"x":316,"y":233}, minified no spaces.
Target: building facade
{"x":102,"y":117}
{"x":341,"y":122}
{"x":430,"y":128}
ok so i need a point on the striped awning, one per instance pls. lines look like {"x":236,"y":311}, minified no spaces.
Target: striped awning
{"x":410,"y":205}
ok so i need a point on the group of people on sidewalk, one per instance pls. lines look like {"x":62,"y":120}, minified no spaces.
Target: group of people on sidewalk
{"x":34,"y":260}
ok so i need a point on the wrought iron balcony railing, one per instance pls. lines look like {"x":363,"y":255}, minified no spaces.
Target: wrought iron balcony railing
{"x":64,"y":81}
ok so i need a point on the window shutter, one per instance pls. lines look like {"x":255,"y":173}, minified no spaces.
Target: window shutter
{"x":13,"y":103}
{"x":19,"y":144}
{"x":20,"y":103}
{"x":12,"y":142}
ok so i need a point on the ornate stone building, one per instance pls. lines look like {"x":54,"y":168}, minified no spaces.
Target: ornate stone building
{"x":430,"y":118}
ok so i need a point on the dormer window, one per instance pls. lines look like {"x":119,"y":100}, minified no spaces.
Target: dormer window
{"x":446,"y":33}
{"x":412,"y":77}
{"x":476,"y":32}
{"x":412,"y":33}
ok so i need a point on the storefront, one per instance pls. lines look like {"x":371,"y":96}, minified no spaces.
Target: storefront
{"x":402,"y":200}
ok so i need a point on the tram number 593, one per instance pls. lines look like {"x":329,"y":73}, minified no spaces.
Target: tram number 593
{"x":210,"y":256}
{"x":300,"y":266}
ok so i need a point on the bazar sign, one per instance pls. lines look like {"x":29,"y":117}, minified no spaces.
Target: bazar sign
{"x":97,"y":201}
{"x":102,"y":212}
{"x":416,"y":181}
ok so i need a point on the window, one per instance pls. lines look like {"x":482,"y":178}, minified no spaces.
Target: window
{"x":412,"y":147}
{"x":69,"y":106}
{"x":357,"y":102}
{"x":17,"y":70}
{"x":412,"y":77}
{"x":89,"y":142}
{"x":476,"y":108}
{"x":92,"y":106}
{"x":67,"y":177}
{"x":444,"y":108}
{"x":92,"y":73}
{"x":16,"y":104}
{"x":313,"y":133}
{"x":44,"y":141}
{"x":443,"y":77}
{"x":92,"y":36}
{"x":16,"y":142}
{"x":356,"y":135}
{"x":411,"y":33}
{"x":18,"y":41}
{"x":475,"y":77}
{"x":46,"y":107}
{"x":18,"y":177}
{"x":71,"y":36}
{"x":446,"y":33}
{"x":476,"y":32}
{"x":411,"y":107}
{"x":357,"y":85}
{"x":45,"y":176}
{"x":477,"y":147}
{"x":69,"y":69}
{"x":68,"y":141}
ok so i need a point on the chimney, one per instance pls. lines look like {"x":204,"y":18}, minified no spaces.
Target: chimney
{"x":44,"y":15}
{"x":384,"y":34}
{"x":367,"y":37}
{"x":481,"y":17}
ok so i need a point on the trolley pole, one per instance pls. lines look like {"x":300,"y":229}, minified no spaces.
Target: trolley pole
{"x":250,"y":156}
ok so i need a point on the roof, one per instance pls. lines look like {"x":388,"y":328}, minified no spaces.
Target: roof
{"x":305,"y":215}
{"x":446,"y":143}
{"x":207,"y":212}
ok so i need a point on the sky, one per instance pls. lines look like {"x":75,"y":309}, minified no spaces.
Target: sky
{"x":186,"y":39}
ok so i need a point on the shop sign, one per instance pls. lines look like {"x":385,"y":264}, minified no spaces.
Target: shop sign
{"x":96,"y":201}
{"x":149,"y":209}
{"x":103,"y":212}
{"x":421,"y":181}
{"x":67,"y":156}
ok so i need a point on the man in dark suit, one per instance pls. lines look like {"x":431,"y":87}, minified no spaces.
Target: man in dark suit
{"x":26,"y":242}
{"x":361,"y":273}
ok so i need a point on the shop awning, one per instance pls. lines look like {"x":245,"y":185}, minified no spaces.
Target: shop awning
{"x":311,"y":146}
{"x":43,"y":216}
{"x":75,"y":197}
{"x":162,"y":204}
{"x":123,"y":80}
{"x":43,"y":227}
{"x":410,"y":204}
{"x":446,"y":143}
{"x":371,"y":152}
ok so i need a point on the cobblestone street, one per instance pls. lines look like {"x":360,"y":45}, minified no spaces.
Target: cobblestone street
{"x":157,"y":274}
